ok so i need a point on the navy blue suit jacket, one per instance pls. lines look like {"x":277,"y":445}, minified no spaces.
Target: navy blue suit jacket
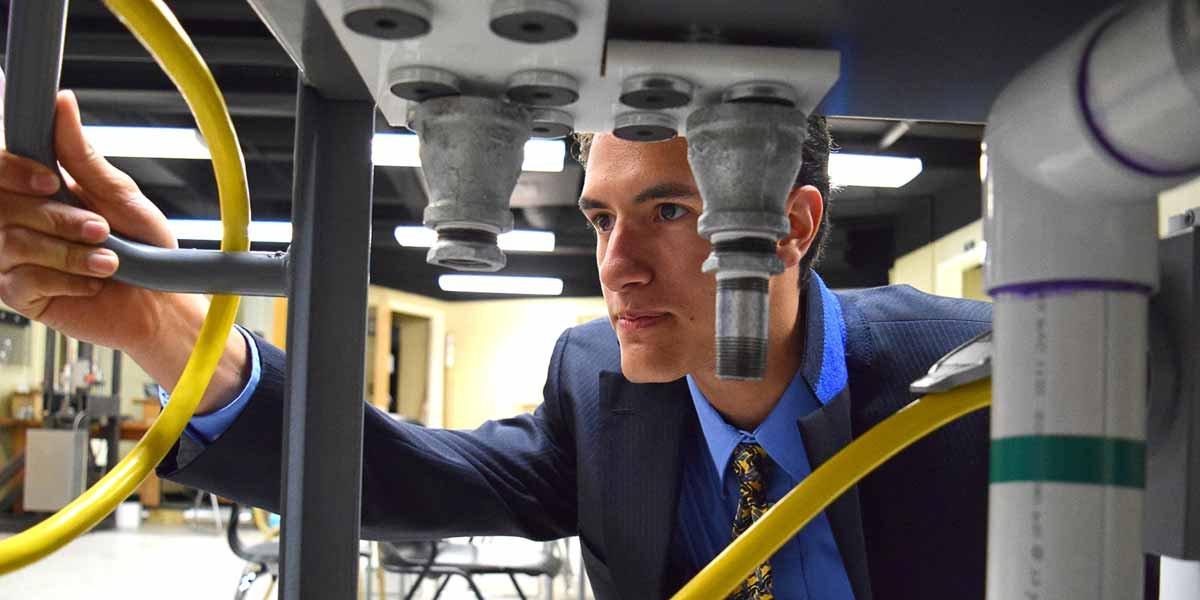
{"x":600,"y":459}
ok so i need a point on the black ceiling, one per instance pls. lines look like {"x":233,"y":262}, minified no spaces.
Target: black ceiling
{"x":118,"y":83}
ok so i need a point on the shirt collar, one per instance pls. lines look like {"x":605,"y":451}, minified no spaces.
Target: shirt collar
{"x":824,"y":362}
{"x":778,"y":434}
{"x":822,"y":375}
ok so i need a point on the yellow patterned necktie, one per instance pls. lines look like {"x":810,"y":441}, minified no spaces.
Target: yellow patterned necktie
{"x":749,"y":464}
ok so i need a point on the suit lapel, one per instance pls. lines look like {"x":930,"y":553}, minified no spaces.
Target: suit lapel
{"x":643,"y":431}
{"x":825,"y":433}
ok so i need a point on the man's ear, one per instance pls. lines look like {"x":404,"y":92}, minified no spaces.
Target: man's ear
{"x":805,"y":208}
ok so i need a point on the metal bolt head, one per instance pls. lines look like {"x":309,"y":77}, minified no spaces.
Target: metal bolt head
{"x":542,"y":88}
{"x":534,"y":21}
{"x":761,"y":92}
{"x":418,"y":84}
{"x":656,"y":92}
{"x":388,"y":19}
{"x":645,"y":126}
{"x":551,"y":123}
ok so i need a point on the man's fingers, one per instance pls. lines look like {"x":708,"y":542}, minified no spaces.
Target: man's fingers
{"x":26,"y":176}
{"x":101,"y":186}
{"x":28,"y":289}
{"x":20,"y":246}
{"x":138,"y":219}
{"x":94,"y":173}
{"x":52,"y":218}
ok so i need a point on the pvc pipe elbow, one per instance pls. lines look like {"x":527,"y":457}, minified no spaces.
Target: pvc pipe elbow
{"x":1108,"y":116}
{"x":1079,"y":145}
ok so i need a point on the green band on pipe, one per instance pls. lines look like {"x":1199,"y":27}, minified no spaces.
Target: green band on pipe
{"x":1069,"y":459}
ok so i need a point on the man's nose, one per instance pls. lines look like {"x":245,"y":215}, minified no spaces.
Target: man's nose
{"x":625,"y":262}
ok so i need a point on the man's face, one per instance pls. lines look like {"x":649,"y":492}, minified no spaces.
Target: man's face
{"x":643,"y":203}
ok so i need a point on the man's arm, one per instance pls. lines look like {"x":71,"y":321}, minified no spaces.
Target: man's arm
{"x":53,"y":271}
{"x":509,"y":477}
{"x":206,"y":428}
{"x":164,"y":362}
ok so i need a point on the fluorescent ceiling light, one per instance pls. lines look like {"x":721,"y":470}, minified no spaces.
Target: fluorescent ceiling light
{"x":403,"y":150}
{"x":279,"y":232}
{"x":501,"y":284}
{"x":387,"y":149}
{"x":395,"y":150}
{"x":146,"y":142}
{"x":869,"y":170}
{"x":527,"y":240}
{"x":415,"y":236}
{"x":520,"y":240}
{"x":544,"y":155}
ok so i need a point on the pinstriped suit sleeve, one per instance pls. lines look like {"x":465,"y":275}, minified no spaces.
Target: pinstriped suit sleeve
{"x":508,"y":477}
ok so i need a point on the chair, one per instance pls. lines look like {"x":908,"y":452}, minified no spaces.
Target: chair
{"x":197,"y":502}
{"x":261,"y":559}
{"x":445,"y":559}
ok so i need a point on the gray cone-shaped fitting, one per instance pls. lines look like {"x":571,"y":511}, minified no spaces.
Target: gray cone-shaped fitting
{"x":745,"y":158}
{"x":471,"y":153}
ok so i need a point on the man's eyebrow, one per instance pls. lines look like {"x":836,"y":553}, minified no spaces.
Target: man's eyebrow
{"x":586,"y":203}
{"x":665,"y":191}
{"x":661,"y":191}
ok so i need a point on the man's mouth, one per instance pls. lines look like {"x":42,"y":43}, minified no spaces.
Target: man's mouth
{"x":631,"y":320}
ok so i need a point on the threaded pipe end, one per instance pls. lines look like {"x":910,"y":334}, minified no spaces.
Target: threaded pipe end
{"x":741,"y":358}
{"x":742,"y":327}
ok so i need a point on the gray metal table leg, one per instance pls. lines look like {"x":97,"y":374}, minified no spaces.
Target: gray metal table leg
{"x":327,"y":313}
{"x":49,"y":370}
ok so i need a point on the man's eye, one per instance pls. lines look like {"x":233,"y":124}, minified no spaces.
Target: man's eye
{"x":671,"y":212}
{"x":602,"y":222}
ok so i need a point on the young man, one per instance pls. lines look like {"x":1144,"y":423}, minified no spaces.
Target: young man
{"x":637,"y":448}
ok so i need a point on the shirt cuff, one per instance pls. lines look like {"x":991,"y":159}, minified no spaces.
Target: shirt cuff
{"x":205,"y":429}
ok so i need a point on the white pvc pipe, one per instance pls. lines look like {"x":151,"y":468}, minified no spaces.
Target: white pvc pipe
{"x":1077,"y":148}
{"x":1068,"y":438}
{"x":1178,"y":579}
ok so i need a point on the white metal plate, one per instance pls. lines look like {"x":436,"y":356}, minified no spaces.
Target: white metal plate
{"x":462,"y":42}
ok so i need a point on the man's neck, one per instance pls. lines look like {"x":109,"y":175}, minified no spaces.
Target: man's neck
{"x":746,"y":404}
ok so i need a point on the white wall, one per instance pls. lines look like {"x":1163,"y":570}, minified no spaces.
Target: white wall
{"x":938,"y":267}
{"x":943,"y":267}
{"x":488,"y":359}
{"x":498,"y":353}
{"x":1177,"y":200}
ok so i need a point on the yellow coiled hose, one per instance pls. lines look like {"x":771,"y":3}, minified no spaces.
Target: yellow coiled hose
{"x":827,"y":483}
{"x":158,"y":30}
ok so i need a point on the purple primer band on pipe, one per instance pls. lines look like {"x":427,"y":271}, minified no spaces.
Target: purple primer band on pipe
{"x":1090,"y":118}
{"x":1068,"y":286}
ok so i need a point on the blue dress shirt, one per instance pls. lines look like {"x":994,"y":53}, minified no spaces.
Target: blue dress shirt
{"x":809,"y":566}
{"x":205,"y":429}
